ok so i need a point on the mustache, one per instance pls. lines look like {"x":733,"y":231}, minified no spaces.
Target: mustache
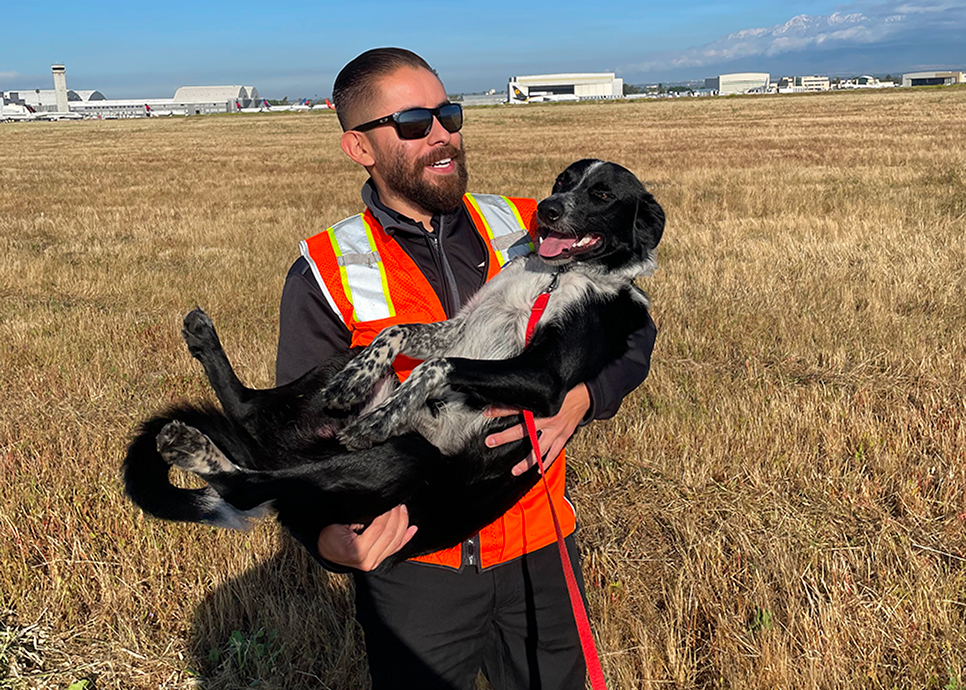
{"x":442,"y":153}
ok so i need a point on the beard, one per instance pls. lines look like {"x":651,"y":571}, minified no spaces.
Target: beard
{"x":441,"y":193}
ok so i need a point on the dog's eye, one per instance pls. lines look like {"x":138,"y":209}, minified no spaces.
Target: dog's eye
{"x":602,"y":195}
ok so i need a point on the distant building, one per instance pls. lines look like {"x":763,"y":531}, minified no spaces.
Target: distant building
{"x":739,"y":82}
{"x":491,"y":97}
{"x":933,"y":78}
{"x":45,"y":100}
{"x":188,"y":100}
{"x":803,"y":84}
{"x":864,"y":82}
{"x":564,"y":87}
{"x":815,"y":83}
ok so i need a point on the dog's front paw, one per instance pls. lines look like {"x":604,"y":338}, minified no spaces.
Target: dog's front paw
{"x":198,"y":332}
{"x":355,"y":442}
{"x":185,"y":447}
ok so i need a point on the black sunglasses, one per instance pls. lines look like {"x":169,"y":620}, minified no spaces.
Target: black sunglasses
{"x":416,"y":123}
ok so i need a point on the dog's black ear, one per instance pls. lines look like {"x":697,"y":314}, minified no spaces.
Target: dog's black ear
{"x":649,"y":226}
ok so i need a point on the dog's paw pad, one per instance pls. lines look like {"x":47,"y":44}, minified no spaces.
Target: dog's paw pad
{"x":185,"y":447}
{"x":198,"y":329}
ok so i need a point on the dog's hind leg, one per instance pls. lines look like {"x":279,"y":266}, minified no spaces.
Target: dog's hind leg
{"x":397,"y":414}
{"x":204,"y":345}
{"x":185,"y":447}
{"x":355,"y":382}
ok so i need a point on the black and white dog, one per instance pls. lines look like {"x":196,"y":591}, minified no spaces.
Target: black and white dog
{"x":327,"y":449}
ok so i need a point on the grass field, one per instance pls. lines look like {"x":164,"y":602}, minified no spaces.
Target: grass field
{"x":780,"y":505}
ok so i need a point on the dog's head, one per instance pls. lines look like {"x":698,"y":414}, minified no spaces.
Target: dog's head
{"x":599,"y":213}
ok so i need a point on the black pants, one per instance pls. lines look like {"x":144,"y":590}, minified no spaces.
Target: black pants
{"x":428,"y":627}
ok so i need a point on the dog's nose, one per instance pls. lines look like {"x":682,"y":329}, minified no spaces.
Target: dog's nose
{"x":549,"y":210}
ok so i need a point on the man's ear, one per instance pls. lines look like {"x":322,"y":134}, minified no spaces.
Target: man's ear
{"x":358,"y":147}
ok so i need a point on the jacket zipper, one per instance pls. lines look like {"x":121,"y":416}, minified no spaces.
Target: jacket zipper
{"x":451,"y":295}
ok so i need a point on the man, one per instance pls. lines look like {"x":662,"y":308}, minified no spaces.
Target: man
{"x":498,"y":601}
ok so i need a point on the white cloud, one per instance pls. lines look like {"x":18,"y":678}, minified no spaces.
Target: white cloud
{"x":874,"y":24}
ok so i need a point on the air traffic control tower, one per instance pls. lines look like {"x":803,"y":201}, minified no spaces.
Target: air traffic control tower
{"x":60,"y":87}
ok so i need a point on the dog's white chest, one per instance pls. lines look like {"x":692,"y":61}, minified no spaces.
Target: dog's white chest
{"x":495,"y":323}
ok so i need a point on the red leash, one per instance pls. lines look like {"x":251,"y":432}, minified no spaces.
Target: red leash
{"x":594,"y":670}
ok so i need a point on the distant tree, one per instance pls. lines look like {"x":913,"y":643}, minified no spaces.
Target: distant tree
{"x":633,"y":88}
{"x":678,"y":89}
{"x":889,"y":77}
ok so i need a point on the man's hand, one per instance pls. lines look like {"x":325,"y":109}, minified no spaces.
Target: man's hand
{"x":345,"y":545}
{"x":552,"y":432}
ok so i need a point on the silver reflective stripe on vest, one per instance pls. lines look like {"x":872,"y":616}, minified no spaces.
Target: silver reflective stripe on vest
{"x":304,"y":248}
{"x":506,"y":229}
{"x":363,"y":274}
{"x":367,"y":260}
{"x":360,"y":269}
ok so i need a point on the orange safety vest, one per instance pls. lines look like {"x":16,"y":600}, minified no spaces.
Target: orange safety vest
{"x":370,"y":281}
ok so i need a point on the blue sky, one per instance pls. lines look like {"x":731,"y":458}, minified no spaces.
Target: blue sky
{"x":295,"y":49}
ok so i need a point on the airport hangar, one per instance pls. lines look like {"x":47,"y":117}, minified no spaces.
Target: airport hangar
{"x":933,"y":78}
{"x":187,"y":100}
{"x":739,"y":82}
{"x":561,"y":87}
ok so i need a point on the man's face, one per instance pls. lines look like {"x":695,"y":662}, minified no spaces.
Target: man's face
{"x":429,"y":172}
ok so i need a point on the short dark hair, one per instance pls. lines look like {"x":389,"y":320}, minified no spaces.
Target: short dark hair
{"x":354,"y":85}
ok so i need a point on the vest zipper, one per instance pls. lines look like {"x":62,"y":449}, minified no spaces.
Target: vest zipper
{"x":469,"y":551}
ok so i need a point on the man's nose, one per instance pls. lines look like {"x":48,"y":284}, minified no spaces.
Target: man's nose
{"x":438,"y":134}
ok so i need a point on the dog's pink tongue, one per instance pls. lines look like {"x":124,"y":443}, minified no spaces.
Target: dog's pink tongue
{"x":555,"y":244}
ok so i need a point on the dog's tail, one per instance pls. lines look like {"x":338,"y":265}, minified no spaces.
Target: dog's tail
{"x":146,"y":478}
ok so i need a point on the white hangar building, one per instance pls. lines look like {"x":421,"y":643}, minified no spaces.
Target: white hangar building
{"x":933,"y":78}
{"x":45,"y":100}
{"x":188,"y":100}
{"x":739,"y":82}
{"x":564,"y":87}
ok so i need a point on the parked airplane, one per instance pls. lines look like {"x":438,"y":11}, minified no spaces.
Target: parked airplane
{"x":53,"y":117}
{"x":541,"y":97}
{"x":552,"y":98}
{"x":162,"y":113}
{"x":248,"y":110}
{"x":17,"y":113}
{"x":301,"y":106}
{"x":269,"y":108}
{"x":323,"y":106}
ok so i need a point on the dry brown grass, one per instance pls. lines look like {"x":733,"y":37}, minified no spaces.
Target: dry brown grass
{"x":780,"y":505}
